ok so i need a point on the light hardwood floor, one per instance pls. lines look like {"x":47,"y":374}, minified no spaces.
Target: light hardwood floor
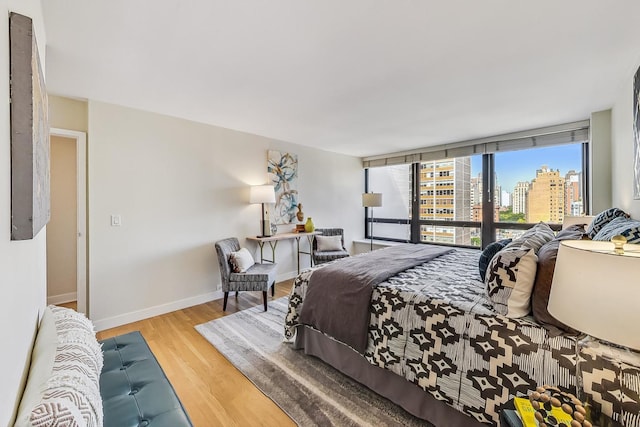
{"x":213,"y":392}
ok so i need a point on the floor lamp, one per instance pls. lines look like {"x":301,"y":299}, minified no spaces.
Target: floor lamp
{"x":371,"y":200}
{"x":263,"y":194}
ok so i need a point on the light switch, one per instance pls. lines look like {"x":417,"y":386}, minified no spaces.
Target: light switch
{"x":116,"y":221}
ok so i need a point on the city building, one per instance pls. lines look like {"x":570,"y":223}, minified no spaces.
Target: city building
{"x":519,"y":202}
{"x":545,"y":199}
{"x":573,"y":192}
{"x":445,"y":195}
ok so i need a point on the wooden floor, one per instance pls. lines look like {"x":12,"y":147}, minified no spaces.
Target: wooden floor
{"x":213,"y":392}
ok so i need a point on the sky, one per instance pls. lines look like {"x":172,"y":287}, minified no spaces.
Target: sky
{"x":514,"y":166}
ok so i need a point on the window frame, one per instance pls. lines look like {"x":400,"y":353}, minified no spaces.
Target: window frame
{"x":488,"y":226}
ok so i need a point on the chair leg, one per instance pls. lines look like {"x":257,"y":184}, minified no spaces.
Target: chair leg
{"x":224,"y":304}
{"x":264,"y":298}
{"x":273,"y":290}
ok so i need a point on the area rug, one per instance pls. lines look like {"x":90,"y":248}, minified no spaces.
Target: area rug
{"x":308,"y":390}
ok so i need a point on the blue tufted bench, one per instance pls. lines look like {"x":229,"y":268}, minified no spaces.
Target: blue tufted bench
{"x":135,"y":391}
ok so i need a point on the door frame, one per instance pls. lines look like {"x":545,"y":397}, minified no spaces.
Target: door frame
{"x":81,"y":195}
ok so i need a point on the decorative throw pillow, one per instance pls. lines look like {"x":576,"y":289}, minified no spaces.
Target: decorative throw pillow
{"x":602,"y":219}
{"x":241,"y":260}
{"x":63,"y":385}
{"x":533,"y":238}
{"x":488,"y":253}
{"x":572,"y":232}
{"x":509,"y":281}
{"x":329,"y":243}
{"x":629,"y":228}
{"x":544,"y":278}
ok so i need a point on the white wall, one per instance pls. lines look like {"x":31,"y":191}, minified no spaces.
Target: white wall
{"x":622,"y":149}
{"x":179,"y":186}
{"x":22,"y":264}
{"x":600,"y":157}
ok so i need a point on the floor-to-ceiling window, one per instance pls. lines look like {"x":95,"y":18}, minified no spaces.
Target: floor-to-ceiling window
{"x":471,"y":200}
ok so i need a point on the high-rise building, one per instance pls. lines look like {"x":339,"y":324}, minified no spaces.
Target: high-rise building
{"x":545,"y":199}
{"x":519,"y":199}
{"x":572,"y":192}
{"x":445,"y":195}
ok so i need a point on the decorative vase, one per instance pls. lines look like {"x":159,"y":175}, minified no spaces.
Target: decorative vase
{"x":308,"y":226}
{"x":300,"y":214}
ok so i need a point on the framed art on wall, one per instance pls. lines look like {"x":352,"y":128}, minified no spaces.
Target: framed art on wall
{"x":636,"y":136}
{"x":283,"y":174}
{"x":30,"y":179}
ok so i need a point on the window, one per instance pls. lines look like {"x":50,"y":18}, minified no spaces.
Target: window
{"x":539,"y":184}
{"x":391,"y":220}
{"x":528,"y":180}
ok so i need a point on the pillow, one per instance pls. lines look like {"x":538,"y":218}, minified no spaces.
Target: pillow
{"x":488,"y":253}
{"x":629,"y":228}
{"x":329,"y":243}
{"x":572,"y":232}
{"x":509,"y":280}
{"x":544,"y":278}
{"x":602,"y":219}
{"x":63,"y":385}
{"x":241,"y":260}
{"x":533,"y":238}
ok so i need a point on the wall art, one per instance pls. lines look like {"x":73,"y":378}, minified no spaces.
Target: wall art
{"x":283,"y":174}
{"x":30,"y":190}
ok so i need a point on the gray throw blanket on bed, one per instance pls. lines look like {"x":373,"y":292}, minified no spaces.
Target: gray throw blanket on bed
{"x":338,"y":295}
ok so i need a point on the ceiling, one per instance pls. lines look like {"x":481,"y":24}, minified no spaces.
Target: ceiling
{"x":359,"y":77}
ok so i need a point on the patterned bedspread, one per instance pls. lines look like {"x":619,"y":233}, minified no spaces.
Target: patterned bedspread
{"x":433,"y":325}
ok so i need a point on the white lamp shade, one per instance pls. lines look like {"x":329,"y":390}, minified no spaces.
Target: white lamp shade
{"x":262,"y":194}
{"x":597,"y":292}
{"x":371,"y":200}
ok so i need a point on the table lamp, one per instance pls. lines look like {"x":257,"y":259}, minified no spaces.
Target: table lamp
{"x":371,"y":200}
{"x":595,"y":290}
{"x":263,"y":194}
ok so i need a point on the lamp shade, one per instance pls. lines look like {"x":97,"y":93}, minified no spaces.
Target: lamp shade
{"x":597,"y":291}
{"x":371,"y":200}
{"x":262,"y":194}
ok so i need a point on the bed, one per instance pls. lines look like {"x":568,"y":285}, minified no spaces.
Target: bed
{"x":436,"y":346}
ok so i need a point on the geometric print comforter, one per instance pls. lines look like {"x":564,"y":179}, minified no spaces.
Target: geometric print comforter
{"x":434,"y":326}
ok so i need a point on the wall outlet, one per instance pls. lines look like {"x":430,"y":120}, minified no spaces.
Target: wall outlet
{"x":116,"y":220}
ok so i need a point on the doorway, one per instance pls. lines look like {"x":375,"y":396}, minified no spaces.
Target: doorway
{"x":66,"y":231}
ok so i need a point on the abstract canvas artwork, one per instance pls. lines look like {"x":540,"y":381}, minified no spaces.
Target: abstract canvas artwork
{"x":283,"y":174}
{"x":30,"y":192}
{"x":636,"y":135}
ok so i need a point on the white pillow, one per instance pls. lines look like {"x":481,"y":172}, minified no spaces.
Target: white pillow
{"x":510,"y":278}
{"x":329,"y":243}
{"x":64,"y":377}
{"x":241,"y":260}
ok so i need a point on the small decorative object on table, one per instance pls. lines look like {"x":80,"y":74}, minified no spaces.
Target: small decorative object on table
{"x":309,"y":227}
{"x":300,"y":214}
{"x":546,"y":398}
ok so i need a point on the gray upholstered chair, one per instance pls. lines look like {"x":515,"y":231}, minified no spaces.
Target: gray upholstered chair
{"x":259,"y":277}
{"x":320,"y":257}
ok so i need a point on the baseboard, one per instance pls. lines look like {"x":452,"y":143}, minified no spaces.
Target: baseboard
{"x":134,"y":316}
{"x":62,"y":298}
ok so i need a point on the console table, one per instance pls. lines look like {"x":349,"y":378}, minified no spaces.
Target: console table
{"x":273,"y":243}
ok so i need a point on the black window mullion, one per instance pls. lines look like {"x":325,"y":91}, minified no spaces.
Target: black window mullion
{"x":488,"y":180}
{"x":415,"y":203}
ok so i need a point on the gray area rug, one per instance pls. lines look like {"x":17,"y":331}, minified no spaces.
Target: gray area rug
{"x":308,"y":390}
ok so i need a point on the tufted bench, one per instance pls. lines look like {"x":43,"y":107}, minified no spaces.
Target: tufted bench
{"x":134,"y":389}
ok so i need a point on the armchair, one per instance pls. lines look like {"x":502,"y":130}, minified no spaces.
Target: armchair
{"x":322,"y":256}
{"x":259,"y":277}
